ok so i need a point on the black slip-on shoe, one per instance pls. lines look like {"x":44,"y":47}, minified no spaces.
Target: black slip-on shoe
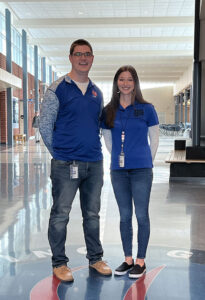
{"x":137,"y":271}
{"x":123,"y":268}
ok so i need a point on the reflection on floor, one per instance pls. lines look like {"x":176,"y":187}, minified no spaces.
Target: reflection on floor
{"x":176,"y":254}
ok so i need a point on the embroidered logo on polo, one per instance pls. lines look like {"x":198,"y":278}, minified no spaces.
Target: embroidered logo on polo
{"x":138,"y":112}
{"x":94,"y":93}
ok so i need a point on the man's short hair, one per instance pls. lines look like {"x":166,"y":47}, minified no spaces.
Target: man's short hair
{"x":80,"y":42}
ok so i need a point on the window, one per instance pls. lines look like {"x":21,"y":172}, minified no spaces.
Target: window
{"x":16,"y":46}
{"x":15,"y":113}
{"x":2,"y":35}
{"x":30,"y":59}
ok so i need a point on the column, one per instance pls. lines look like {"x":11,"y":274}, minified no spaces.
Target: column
{"x":44,"y":73}
{"x":181,"y":98}
{"x":196,"y":107}
{"x":186,"y":98}
{"x":36,"y":85}
{"x":202,"y":59}
{"x":176,"y":99}
{"x":9,"y":90}
{"x":50,"y":75}
{"x":25,"y":81}
{"x":55,"y":76}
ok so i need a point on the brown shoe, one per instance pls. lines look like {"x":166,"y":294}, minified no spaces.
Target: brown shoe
{"x":63,"y":273}
{"x":102,"y":268}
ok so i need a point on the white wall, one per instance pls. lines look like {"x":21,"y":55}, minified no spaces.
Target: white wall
{"x":184,"y":81}
{"x":163,"y":100}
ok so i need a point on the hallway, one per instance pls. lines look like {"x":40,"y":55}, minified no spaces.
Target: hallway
{"x":176,"y":253}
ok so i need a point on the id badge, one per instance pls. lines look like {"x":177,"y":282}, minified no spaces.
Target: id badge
{"x":121,"y":160}
{"x":73,"y":171}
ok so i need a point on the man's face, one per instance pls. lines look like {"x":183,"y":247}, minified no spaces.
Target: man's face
{"x":81,"y":64}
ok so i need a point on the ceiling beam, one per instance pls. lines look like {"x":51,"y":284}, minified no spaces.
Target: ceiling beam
{"x":143,"y":71}
{"x":33,"y":1}
{"x":140,"y":72}
{"x":153,"y":66}
{"x":125,"y":54}
{"x":142,"y":78}
{"x":159,"y":61}
{"x":110,"y":68}
{"x":102,"y":22}
{"x":175,"y":66}
{"x":101,"y":40}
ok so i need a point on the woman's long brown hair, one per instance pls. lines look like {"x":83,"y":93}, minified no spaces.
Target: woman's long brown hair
{"x":112,"y":106}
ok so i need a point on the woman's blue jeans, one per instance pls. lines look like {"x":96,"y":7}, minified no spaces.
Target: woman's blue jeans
{"x":64,"y":189}
{"x":130,"y":186}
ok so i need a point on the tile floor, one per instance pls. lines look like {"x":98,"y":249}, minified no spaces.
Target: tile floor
{"x":176,"y":253}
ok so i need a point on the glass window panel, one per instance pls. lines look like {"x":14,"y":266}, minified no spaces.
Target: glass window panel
{"x":16,"y":46}
{"x":30,"y":59}
{"x":47,"y":74}
{"x":2,"y":35}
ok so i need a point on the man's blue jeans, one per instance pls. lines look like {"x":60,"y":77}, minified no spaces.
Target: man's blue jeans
{"x":64,"y":189}
{"x":133,"y":185}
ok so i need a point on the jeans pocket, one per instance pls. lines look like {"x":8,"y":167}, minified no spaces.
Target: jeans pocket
{"x":59,"y":167}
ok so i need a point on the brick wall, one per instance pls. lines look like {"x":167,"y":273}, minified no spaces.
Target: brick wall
{"x":18,"y":72}
{"x":18,"y":93}
{"x":2,"y":61}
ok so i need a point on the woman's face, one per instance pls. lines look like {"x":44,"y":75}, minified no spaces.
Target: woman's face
{"x":125,"y":83}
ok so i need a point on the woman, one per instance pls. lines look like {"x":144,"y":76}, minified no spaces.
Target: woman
{"x":127,"y":121}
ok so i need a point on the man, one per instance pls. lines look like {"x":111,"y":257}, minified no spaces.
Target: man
{"x":35,"y":124}
{"x":69,"y":126}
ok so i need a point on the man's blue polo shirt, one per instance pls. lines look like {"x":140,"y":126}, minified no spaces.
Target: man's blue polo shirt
{"x":73,"y":120}
{"x":134,"y":120}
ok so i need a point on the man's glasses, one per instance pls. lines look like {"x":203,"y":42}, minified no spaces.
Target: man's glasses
{"x":80,"y":54}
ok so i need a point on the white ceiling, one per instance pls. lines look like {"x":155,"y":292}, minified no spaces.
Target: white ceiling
{"x":155,"y":36}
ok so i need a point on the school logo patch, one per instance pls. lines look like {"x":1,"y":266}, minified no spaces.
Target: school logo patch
{"x":94,"y":93}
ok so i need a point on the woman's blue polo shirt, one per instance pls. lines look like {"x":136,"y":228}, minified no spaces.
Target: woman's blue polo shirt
{"x":134,"y":120}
